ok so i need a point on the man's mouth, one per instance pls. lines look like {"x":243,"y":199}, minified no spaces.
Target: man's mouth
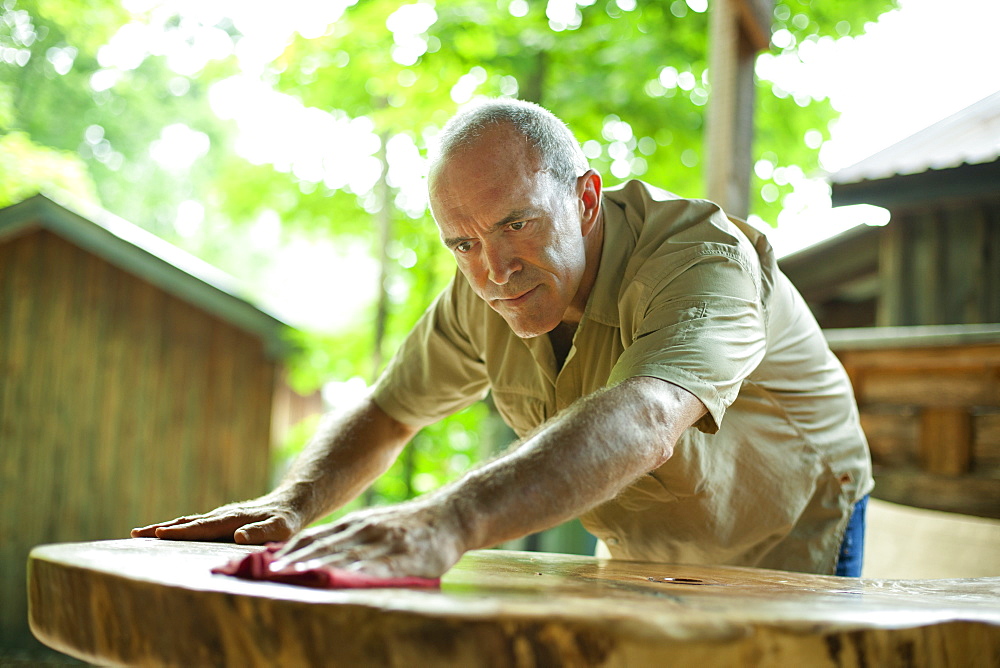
{"x":516,"y":299}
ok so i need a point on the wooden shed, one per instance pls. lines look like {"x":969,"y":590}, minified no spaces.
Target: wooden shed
{"x":937,"y":262}
{"x":913,"y":310}
{"x":135,"y":385}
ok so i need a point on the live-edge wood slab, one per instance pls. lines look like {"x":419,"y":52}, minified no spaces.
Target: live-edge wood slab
{"x":150,"y":602}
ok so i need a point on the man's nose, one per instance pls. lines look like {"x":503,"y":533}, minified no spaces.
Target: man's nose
{"x":500,"y":262}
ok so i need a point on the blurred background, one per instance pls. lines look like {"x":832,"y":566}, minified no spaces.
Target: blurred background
{"x":264,"y":164}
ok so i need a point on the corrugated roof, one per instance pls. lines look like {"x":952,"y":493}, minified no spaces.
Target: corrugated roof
{"x":971,"y":136}
{"x":137,"y":251}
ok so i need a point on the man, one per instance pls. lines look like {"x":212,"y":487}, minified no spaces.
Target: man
{"x":670,"y":386}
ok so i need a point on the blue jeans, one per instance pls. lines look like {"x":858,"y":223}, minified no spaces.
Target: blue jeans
{"x":852,"y":550}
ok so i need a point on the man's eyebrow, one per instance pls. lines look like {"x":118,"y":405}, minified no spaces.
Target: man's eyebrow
{"x":513,"y":216}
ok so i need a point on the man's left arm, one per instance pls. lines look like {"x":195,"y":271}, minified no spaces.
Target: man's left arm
{"x":579,"y":459}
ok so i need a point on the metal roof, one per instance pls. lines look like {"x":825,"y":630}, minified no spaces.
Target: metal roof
{"x":971,"y":137}
{"x":844,"y":266}
{"x":815,"y":251}
{"x":146,"y":255}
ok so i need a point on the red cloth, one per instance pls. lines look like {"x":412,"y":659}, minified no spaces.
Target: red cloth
{"x":254,"y":566}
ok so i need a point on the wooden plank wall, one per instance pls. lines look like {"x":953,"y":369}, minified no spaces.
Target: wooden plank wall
{"x":120,"y":405}
{"x":941,"y":265}
{"x":932,"y":417}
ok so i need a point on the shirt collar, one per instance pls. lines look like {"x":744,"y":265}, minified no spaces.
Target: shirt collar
{"x":602,"y":305}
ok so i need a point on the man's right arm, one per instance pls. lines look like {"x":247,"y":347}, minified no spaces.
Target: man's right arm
{"x":347,"y":453}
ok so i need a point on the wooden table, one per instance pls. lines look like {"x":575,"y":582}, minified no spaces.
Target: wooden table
{"x":149,"y":602}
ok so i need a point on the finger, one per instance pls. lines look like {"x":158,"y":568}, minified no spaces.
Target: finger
{"x":306,"y":538}
{"x":400,"y":565}
{"x":386,"y":566}
{"x":296,"y":543}
{"x":313,"y":554}
{"x":349,"y":556}
{"x":310,"y":554}
{"x":274,"y":529}
{"x":150,"y":530}
{"x":206,"y":528}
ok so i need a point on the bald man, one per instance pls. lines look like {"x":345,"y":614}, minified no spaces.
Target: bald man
{"x":668,"y":384}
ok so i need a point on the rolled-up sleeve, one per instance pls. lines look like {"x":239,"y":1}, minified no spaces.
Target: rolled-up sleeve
{"x":436,"y":371}
{"x":699,"y":325}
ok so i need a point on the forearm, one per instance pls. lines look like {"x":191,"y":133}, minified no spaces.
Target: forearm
{"x":579,"y":459}
{"x":348,"y":451}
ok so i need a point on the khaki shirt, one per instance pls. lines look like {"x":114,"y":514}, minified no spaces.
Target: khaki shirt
{"x":767,"y":478}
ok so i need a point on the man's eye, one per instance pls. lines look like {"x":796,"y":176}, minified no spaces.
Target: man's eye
{"x":516,"y":226}
{"x":464,"y":247}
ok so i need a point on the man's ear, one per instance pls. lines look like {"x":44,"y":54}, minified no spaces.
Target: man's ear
{"x":589,"y":187}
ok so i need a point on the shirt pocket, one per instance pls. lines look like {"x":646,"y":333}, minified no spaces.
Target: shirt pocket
{"x":644,"y":493}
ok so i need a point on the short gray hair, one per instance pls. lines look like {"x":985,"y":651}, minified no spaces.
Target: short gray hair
{"x":557,"y":147}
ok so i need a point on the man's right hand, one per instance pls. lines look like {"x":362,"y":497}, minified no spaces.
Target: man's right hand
{"x":253,"y":522}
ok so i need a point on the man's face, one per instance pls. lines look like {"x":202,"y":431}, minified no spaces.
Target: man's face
{"x":517,"y":235}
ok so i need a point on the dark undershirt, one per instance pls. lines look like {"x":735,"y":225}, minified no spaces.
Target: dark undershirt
{"x":561,"y":339}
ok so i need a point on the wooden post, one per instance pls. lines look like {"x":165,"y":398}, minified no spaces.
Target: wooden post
{"x":738,"y":29}
{"x":384,"y":223}
{"x":888,"y":311}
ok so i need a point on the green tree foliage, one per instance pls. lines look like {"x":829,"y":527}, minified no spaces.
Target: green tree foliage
{"x":27,"y":168}
{"x":631,"y":83}
{"x":60,"y":87}
{"x":81,"y":111}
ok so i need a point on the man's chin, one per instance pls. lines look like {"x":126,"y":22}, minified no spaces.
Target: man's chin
{"x":527,"y":330}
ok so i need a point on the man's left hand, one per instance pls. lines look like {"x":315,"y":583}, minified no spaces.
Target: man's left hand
{"x":419,"y":538}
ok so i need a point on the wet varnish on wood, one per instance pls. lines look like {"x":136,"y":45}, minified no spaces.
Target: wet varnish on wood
{"x":148,"y":602}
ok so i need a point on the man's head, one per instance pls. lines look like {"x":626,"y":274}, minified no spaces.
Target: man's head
{"x":516,"y":203}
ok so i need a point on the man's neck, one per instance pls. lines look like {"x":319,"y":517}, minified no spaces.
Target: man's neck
{"x":595,"y":246}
